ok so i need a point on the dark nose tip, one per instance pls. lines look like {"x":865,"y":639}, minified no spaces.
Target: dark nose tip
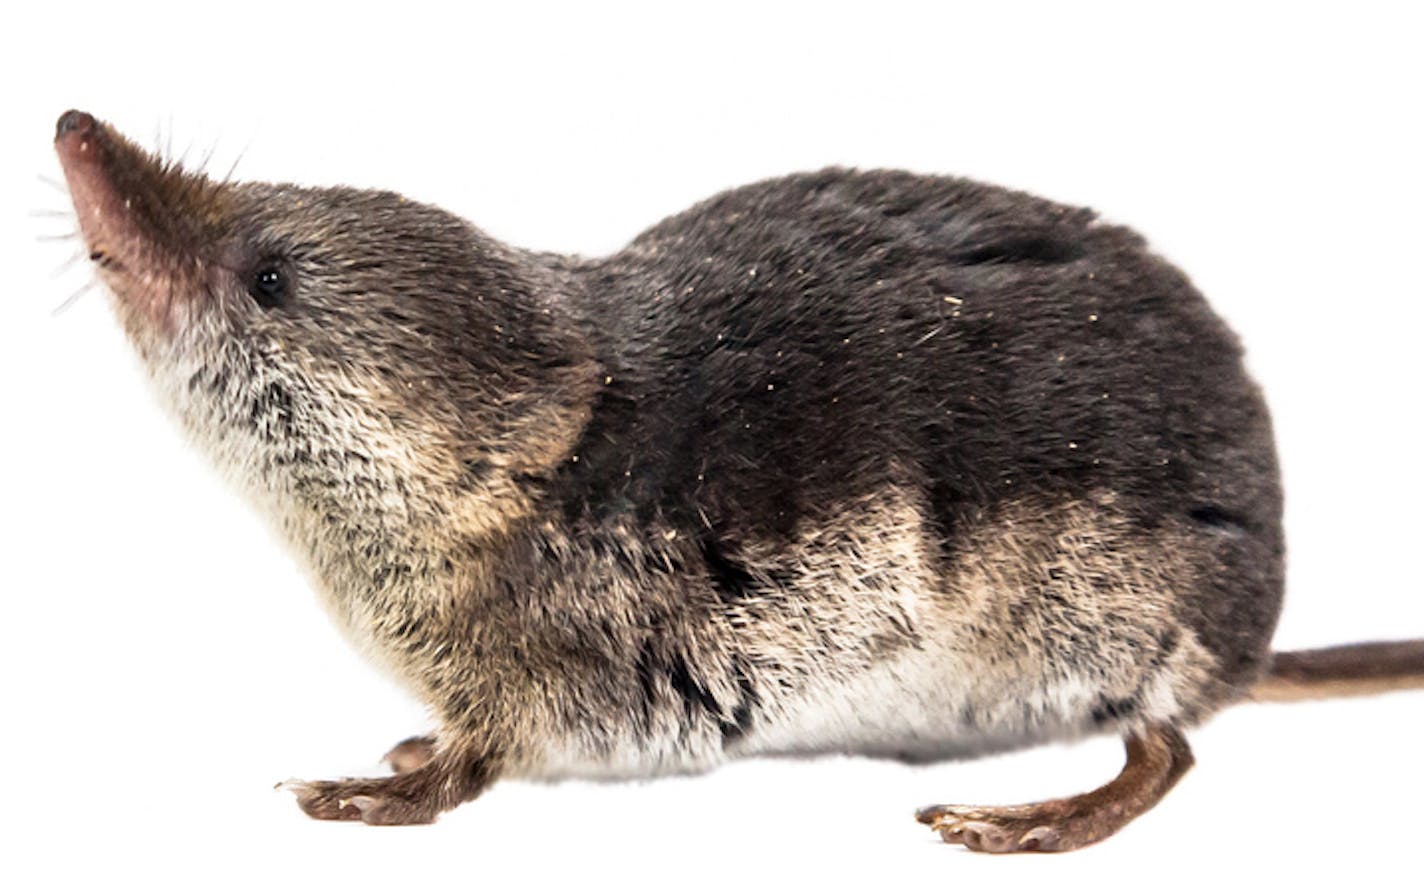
{"x":73,"y":120}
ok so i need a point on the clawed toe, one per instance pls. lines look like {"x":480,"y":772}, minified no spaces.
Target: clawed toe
{"x":373,"y":801}
{"x":1156,"y":759}
{"x":426,"y":784}
{"x":981,"y":829}
{"x":320,"y":801}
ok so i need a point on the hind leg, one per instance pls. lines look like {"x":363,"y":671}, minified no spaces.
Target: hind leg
{"x":1156,"y":759}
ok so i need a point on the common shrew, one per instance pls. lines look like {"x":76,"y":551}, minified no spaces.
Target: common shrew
{"x":843,"y":462}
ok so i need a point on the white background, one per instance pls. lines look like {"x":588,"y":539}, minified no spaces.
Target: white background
{"x":165,"y":664}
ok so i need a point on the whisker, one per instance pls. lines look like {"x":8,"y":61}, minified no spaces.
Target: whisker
{"x":73,"y":297}
{"x":169,"y":151}
{"x":53,"y":182}
{"x":58,"y":237}
{"x":241,"y":154}
{"x":50,"y":213}
{"x":163,"y":148}
{"x":183,"y":158}
{"x":68,"y":264}
{"x":207,"y":158}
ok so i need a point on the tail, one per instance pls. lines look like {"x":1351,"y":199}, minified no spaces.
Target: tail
{"x":1340,"y":671}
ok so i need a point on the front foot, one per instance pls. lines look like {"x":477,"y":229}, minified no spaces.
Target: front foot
{"x":394,"y":800}
{"x":443,"y":781}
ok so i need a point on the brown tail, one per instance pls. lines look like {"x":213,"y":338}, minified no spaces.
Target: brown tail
{"x":1339,"y":671}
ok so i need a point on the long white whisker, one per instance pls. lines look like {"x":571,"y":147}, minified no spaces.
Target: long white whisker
{"x":170,"y":138}
{"x":163,"y":140}
{"x":207,"y":158}
{"x":58,"y":237}
{"x":241,"y":154}
{"x":68,"y":264}
{"x":73,"y":297}
{"x":183,"y":158}
{"x":53,"y":182}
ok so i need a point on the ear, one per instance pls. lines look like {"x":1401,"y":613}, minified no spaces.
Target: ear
{"x":534,"y":433}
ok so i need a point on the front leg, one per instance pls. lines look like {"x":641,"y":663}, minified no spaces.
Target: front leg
{"x":414,"y":797}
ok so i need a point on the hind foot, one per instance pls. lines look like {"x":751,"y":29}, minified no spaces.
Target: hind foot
{"x":1002,"y":829}
{"x":1155,"y":761}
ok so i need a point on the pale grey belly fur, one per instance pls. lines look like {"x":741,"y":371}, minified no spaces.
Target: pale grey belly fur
{"x":1059,"y":620}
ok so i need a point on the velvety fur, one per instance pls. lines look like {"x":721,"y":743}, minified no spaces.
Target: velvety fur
{"x":839,"y":462}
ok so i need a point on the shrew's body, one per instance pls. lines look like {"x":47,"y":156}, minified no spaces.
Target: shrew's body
{"x":841,"y":462}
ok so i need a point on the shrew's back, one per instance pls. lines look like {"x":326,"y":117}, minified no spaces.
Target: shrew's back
{"x":789,"y":348}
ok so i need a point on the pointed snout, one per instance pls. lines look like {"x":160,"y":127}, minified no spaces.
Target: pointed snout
{"x":76,"y":137}
{"x":73,"y":122}
{"x":145,"y":224}
{"x":83,"y":149}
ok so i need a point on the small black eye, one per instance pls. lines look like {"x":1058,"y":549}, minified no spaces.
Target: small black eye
{"x":268,"y":286}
